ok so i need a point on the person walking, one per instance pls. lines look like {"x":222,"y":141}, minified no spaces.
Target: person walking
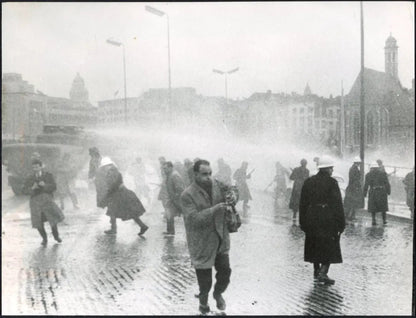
{"x":378,"y":187}
{"x":120,"y":202}
{"x":207,"y":233}
{"x":163,"y":193}
{"x":65,"y":181}
{"x":409,"y":183}
{"x":354,"y":193}
{"x":280,"y":190}
{"x":41,"y":185}
{"x":138,"y":170}
{"x":240,"y":176}
{"x":298,"y":175}
{"x":321,"y":217}
{"x":175,"y":187}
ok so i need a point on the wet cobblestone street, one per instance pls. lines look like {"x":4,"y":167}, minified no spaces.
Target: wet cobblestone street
{"x":93,"y":273}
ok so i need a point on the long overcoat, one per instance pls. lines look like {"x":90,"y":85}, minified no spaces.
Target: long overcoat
{"x":378,"y":187}
{"x":175,"y":187}
{"x":206,"y":232}
{"x":111,"y":193}
{"x":42,"y":206}
{"x":321,"y":217}
{"x":354,"y":198}
{"x":409,"y":182}
{"x":240,"y":176}
{"x":298,"y":175}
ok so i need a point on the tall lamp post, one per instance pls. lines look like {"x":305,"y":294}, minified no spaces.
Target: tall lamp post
{"x":116,"y":43}
{"x":225,"y":73}
{"x":161,"y":14}
{"x":362,"y":107}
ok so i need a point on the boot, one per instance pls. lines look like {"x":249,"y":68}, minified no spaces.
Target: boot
{"x":143,"y":229}
{"x":113,"y":229}
{"x":220,"y":301}
{"x":323,"y":277}
{"x":44,"y":236}
{"x":56,"y":234}
{"x":203,"y":304}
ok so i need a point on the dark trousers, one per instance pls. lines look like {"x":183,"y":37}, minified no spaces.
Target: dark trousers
{"x":42,"y":232}
{"x":170,"y":221}
{"x":204,"y":276}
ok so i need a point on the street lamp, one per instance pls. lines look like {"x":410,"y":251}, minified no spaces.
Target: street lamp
{"x":115,"y":43}
{"x":225,"y":73}
{"x":161,"y":14}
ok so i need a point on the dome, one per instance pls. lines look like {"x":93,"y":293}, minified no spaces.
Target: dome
{"x":391,"y":41}
{"x":78,"y":92}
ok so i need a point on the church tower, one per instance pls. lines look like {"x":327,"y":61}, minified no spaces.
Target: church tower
{"x":78,"y":91}
{"x":390,"y":57}
{"x":307,"y":91}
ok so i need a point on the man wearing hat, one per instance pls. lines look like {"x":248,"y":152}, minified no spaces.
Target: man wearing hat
{"x":321,"y":217}
{"x":378,"y":187}
{"x":354,"y":193}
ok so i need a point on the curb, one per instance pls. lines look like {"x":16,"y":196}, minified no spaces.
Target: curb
{"x":391,"y":216}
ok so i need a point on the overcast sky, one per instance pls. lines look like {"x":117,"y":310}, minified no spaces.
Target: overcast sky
{"x":278,"y":46}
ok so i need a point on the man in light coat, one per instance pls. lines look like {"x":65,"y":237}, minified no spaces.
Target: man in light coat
{"x":204,"y":210}
{"x":175,"y":187}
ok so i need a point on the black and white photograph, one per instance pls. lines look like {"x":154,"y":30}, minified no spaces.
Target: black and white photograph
{"x":208,"y":158}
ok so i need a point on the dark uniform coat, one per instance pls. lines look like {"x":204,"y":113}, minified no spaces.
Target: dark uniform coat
{"x":111,"y":193}
{"x":42,"y":206}
{"x":206,"y":233}
{"x":298,"y":175}
{"x":409,"y":182}
{"x":378,"y":183}
{"x":240,"y":176}
{"x":175,"y":187}
{"x":321,"y":217}
{"x":354,"y":198}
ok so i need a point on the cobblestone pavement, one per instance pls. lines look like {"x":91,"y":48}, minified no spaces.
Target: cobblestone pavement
{"x":93,"y":273}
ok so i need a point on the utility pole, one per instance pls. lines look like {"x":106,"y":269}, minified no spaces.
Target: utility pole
{"x":342,"y":122}
{"x":362,"y":108}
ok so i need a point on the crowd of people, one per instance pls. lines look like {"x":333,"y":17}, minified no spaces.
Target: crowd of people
{"x":207,"y":204}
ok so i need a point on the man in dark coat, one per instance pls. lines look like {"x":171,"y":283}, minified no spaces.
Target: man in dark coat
{"x":376,"y":180}
{"x":240,"y":176}
{"x":120,"y":202}
{"x":321,"y":217}
{"x":298,"y":175}
{"x":41,"y":186}
{"x":354,"y":193}
{"x":224,"y":172}
{"x":409,"y":183}
{"x":205,"y":216}
{"x":175,"y":187}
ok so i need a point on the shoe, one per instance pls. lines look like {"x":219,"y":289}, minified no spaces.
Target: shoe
{"x":143,"y":229}
{"x":168,"y":233}
{"x":374,"y":223}
{"x":384,"y":222}
{"x":44,"y":242}
{"x":204,"y":309}
{"x":323,"y":278}
{"x":110,"y":232}
{"x":220,"y":302}
{"x":58,"y":239}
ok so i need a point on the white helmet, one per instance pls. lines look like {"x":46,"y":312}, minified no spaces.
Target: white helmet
{"x":325,"y":162}
{"x":357,"y":159}
{"x":107,"y":161}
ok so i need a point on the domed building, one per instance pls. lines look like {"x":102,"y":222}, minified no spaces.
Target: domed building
{"x":78,"y":92}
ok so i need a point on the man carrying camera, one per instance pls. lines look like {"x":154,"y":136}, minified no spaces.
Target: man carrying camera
{"x":208,"y":223}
